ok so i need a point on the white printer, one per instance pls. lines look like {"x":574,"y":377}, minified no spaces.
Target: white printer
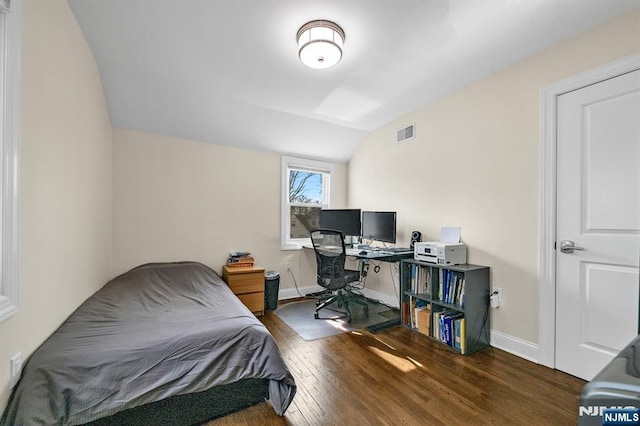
{"x":440,"y":253}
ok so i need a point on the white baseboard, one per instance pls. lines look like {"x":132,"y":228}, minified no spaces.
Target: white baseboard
{"x":515,"y":346}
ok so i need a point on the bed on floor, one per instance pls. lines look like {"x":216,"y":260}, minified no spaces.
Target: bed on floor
{"x":165,"y":343}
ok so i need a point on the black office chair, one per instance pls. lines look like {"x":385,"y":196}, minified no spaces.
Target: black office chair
{"x":331,"y":274}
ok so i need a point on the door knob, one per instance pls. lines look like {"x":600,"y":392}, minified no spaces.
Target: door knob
{"x":568,"y":246}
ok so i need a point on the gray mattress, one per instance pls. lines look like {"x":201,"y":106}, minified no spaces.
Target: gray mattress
{"x":156,"y":331}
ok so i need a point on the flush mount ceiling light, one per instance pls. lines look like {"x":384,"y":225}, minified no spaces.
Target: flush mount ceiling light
{"x":320,"y":44}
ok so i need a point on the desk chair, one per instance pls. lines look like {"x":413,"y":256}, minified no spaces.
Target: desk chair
{"x":332,"y":275}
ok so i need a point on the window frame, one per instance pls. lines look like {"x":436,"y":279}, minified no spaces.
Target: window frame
{"x":288,"y":163}
{"x":10,"y":94}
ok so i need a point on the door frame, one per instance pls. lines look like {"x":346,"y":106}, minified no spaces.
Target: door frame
{"x":548,"y":181}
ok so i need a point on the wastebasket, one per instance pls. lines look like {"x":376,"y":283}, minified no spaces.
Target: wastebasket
{"x":271,"y":288}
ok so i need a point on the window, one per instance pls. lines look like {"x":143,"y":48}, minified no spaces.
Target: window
{"x":306,"y":189}
{"x":10,"y":30}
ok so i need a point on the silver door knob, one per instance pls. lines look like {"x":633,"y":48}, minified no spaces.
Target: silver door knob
{"x":568,"y":246}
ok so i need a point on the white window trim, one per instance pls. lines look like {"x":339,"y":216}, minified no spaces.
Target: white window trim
{"x":293,"y":162}
{"x":10,"y":144}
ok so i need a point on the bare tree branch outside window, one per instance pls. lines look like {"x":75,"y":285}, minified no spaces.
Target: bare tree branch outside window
{"x":306,"y":197}
{"x":298,"y":185}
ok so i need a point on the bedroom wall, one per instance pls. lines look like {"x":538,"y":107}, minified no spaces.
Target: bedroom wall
{"x":176,"y":199}
{"x":475,"y":163}
{"x":65,"y":180}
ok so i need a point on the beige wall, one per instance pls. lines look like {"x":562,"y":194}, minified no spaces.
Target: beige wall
{"x":176,"y":199}
{"x":474,"y":163}
{"x":182,"y":200}
{"x":65,"y":179}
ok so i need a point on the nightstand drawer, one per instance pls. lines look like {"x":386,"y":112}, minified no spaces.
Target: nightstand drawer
{"x":253,"y":301}
{"x":247,"y":283}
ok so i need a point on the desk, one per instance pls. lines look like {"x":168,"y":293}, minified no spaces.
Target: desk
{"x":388,"y":258}
{"x":381,"y":256}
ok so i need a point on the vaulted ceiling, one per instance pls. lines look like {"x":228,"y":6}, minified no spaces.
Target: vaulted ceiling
{"x":227,"y":72}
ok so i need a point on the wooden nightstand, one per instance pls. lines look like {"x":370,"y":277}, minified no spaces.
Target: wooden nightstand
{"x":248,"y":285}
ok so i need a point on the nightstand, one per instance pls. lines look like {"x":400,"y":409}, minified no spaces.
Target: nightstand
{"x":248,"y":285}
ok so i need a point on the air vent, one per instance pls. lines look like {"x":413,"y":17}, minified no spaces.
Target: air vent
{"x":405,"y":134}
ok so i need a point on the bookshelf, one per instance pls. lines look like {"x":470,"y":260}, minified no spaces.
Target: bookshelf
{"x":447,"y":303}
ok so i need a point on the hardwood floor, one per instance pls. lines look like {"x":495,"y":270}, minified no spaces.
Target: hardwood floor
{"x":400,"y":377}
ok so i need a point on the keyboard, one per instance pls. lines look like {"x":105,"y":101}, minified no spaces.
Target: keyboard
{"x":354,"y":252}
{"x":378,"y":252}
{"x":398,"y":250}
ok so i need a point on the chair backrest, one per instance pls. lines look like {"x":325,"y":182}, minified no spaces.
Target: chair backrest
{"x":328,"y":245}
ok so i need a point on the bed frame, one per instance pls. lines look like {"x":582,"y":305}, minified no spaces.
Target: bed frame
{"x":192,"y":409}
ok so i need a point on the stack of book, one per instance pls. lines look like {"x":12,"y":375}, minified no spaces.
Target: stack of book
{"x":240,"y":259}
{"x":449,"y":327}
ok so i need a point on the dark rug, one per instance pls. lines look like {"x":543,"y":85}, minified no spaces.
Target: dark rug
{"x":300,"y":317}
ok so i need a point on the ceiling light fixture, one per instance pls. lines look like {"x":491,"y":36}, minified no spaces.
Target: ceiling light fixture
{"x":320,"y":44}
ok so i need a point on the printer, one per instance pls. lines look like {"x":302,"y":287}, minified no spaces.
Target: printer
{"x":440,"y":253}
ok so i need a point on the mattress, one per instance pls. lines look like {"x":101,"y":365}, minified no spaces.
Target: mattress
{"x":157,"y":331}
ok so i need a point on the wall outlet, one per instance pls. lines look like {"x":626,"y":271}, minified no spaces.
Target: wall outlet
{"x":496,"y":297}
{"x":15,"y":364}
{"x":287,"y":266}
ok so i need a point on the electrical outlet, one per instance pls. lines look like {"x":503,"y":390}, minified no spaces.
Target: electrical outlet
{"x":16,"y":368}
{"x":496,"y":297}
{"x":287,"y":266}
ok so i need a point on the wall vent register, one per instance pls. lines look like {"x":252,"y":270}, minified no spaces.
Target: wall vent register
{"x":405,"y":134}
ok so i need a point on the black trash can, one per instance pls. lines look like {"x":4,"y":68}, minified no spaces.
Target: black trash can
{"x":271,"y":288}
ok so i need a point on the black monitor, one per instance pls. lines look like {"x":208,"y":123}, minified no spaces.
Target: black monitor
{"x":345,"y":220}
{"x":379,"y":226}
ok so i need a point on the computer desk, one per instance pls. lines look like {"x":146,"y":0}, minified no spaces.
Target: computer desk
{"x":386,"y":257}
{"x":381,"y":256}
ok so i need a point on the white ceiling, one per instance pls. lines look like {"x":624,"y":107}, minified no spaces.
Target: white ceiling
{"x":227,"y":72}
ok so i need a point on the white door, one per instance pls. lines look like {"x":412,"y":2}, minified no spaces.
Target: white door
{"x":598,"y":202}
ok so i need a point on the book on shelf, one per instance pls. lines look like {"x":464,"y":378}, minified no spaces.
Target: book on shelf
{"x":240,"y":260}
{"x":436,"y":325}
{"x":423,"y":319}
{"x":459,"y":334}
{"x":451,"y":287}
{"x":406,"y":313}
{"x":240,"y":265}
{"x":463,"y":334}
{"x":447,"y":327}
{"x":413,"y":306}
{"x":420,"y":280}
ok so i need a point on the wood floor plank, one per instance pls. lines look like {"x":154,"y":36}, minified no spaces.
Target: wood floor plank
{"x":399,"y":377}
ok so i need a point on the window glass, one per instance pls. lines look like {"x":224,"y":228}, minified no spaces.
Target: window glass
{"x":306,"y":190}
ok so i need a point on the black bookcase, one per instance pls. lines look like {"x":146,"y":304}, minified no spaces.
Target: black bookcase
{"x":453,"y":299}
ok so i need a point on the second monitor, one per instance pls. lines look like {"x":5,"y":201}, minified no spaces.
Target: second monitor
{"x":379,"y":226}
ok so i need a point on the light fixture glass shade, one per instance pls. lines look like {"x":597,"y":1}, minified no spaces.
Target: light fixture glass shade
{"x":320,"y":44}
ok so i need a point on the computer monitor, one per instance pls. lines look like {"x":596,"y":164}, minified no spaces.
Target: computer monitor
{"x":345,"y":220}
{"x":379,"y":226}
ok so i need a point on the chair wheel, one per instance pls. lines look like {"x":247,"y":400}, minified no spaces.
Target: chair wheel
{"x":316,"y":316}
